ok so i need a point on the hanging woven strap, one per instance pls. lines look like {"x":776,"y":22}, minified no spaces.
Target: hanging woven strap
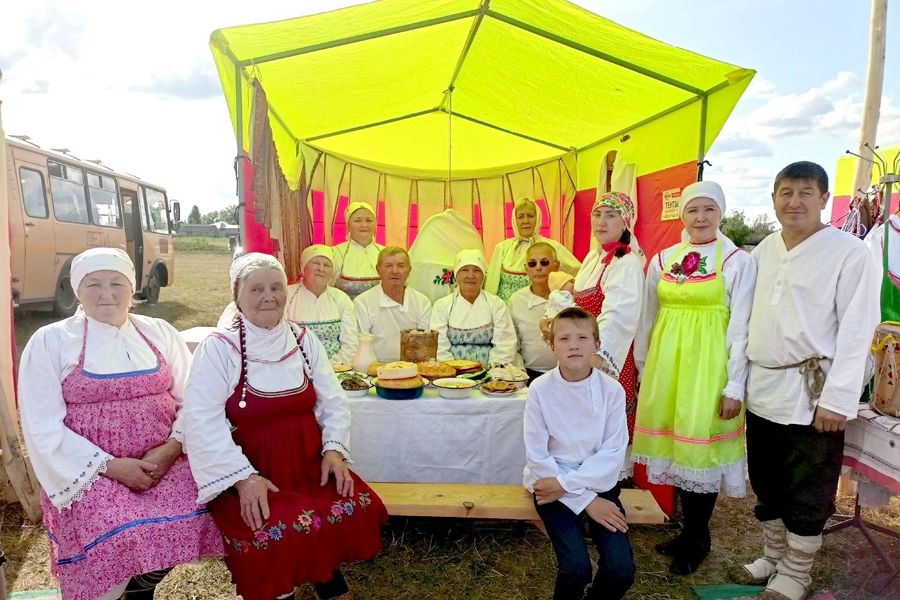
{"x":813,"y":377}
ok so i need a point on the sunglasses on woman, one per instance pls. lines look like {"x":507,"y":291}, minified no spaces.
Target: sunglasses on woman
{"x":545,"y":262}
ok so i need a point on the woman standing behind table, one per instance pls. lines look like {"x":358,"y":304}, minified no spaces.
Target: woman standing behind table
{"x":473,"y":324}
{"x":355,"y":260}
{"x":100,"y":398}
{"x":506,"y":274}
{"x":690,"y":346}
{"x":325,"y":310}
{"x":610,"y":286}
{"x":268,"y":432}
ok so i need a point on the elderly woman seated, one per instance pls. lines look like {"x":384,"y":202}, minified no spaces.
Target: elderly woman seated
{"x":473,"y":324}
{"x":325,"y":310}
{"x":100,"y":398}
{"x":268,"y":435}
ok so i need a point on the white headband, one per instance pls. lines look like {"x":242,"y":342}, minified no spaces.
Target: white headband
{"x":474,"y":258}
{"x":311,"y":252}
{"x":241,"y":263}
{"x":702,"y":189}
{"x":355,"y":206}
{"x":101,"y":259}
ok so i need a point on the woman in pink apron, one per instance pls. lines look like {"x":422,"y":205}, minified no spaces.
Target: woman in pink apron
{"x":100,"y":397}
{"x":356,"y":259}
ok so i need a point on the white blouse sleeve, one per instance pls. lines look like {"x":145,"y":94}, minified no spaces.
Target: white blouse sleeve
{"x":648,"y":313}
{"x":540,"y":462}
{"x":600,"y":471}
{"x":217,"y":462}
{"x":331,"y":410}
{"x":424,"y":319}
{"x":740,"y":279}
{"x":349,"y":329}
{"x":338,"y":251}
{"x":618,"y":320}
{"x":179,"y":358}
{"x":505,"y":341}
{"x":66,"y":464}
{"x":440,"y":319}
{"x":363,"y":319}
{"x":567,"y":260}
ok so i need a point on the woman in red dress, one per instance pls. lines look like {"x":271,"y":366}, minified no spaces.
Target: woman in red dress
{"x":267,"y":433}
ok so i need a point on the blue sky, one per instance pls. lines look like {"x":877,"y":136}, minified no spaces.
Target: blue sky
{"x":134,"y":84}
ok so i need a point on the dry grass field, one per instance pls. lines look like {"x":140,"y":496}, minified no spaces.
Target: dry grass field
{"x":450,"y":559}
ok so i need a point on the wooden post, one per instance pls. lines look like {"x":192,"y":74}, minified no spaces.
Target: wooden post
{"x":872,"y":105}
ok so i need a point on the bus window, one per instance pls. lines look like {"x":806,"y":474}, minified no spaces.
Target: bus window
{"x":67,"y":191}
{"x":156,"y":211}
{"x":34,"y":195}
{"x":104,"y":202}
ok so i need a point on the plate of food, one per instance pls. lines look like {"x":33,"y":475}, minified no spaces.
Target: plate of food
{"x":509,"y":373}
{"x":399,"y":380}
{"x":454,"y":388}
{"x":464,"y":367}
{"x":340,"y":367}
{"x":354,"y":383}
{"x":499,"y":388}
{"x":433,"y":369}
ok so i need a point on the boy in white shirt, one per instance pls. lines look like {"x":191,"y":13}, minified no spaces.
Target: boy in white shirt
{"x":575,"y":439}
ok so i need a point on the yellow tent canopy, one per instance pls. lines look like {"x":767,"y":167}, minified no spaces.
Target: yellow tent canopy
{"x":471,"y":89}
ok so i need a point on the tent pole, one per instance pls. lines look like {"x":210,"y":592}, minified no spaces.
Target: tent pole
{"x":701,"y":151}
{"x":239,"y":157}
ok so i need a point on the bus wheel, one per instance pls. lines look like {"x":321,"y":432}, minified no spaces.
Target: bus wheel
{"x":153,"y":285}
{"x":65,"y":302}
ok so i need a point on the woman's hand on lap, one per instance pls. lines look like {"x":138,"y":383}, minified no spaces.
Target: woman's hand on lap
{"x":163,"y":456}
{"x":606,"y":513}
{"x":333,"y":462}
{"x":254,"y":494}
{"x":133,"y":473}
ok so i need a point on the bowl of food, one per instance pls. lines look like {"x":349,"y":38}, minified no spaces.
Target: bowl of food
{"x":399,"y":381}
{"x":454,"y":388}
{"x":510,"y":373}
{"x":499,"y":388}
{"x":354,"y":384}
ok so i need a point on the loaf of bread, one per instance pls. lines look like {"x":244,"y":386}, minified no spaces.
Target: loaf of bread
{"x":417,"y":345}
{"x":397,"y":370}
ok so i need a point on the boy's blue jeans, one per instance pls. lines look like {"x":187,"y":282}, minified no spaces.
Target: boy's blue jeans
{"x":615,"y":573}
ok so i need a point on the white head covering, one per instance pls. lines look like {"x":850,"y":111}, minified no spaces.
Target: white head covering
{"x":101,"y":259}
{"x":702,"y":189}
{"x":243,"y":264}
{"x":355,"y":206}
{"x":538,"y":218}
{"x":470,"y":257}
{"x":311,"y":252}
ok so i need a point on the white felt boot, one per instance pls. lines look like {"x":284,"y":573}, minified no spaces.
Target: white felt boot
{"x":792,"y":580}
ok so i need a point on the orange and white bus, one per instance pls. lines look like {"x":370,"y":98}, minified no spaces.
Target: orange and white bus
{"x":60,"y":205}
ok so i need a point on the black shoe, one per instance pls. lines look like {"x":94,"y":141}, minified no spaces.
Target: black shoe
{"x":672,"y":547}
{"x":690,"y":557}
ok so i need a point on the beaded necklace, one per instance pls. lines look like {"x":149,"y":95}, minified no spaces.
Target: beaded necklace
{"x":244,"y":375}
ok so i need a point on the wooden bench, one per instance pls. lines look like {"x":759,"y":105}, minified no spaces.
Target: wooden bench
{"x":474,"y":501}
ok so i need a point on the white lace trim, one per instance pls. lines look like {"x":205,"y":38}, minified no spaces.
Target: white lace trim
{"x":627,"y":468}
{"x":67,"y":497}
{"x":730,"y":478}
{"x":339,"y":447}
{"x":211,"y":489}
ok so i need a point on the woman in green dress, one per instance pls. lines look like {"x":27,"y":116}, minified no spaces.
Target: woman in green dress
{"x":690,"y":350}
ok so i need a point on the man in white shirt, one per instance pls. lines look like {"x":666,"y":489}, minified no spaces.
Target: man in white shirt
{"x":390,"y":307}
{"x":814,"y":311}
{"x":528,"y":305}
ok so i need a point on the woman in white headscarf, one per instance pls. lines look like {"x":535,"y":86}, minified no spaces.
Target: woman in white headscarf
{"x":690,"y":348}
{"x":355,"y":260}
{"x":268,"y":433}
{"x":324,"y":309}
{"x":473,"y":324}
{"x":100,"y":395}
{"x":506,"y":273}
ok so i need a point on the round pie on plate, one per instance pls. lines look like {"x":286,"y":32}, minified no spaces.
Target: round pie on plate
{"x":340,"y":367}
{"x":499,"y":387}
{"x":405,"y":383}
{"x":433,"y":369}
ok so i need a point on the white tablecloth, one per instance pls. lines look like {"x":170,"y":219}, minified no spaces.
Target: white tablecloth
{"x":433,"y":440}
{"x":872,"y":451}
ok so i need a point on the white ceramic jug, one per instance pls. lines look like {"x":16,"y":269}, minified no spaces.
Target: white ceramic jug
{"x":365,"y":355}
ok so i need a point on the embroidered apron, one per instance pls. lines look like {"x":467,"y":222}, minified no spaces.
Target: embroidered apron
{"x":111,"y":533}
{"x":679,"y":434}
{"x":328,"y":332}
{"x":311,"y":529}
{"x":510,"y":283}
